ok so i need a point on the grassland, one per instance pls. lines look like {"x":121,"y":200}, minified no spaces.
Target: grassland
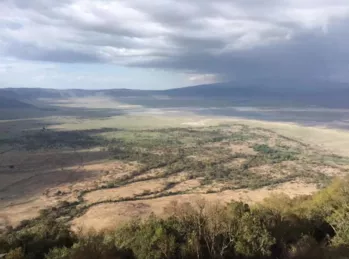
{"x":83,"y":169}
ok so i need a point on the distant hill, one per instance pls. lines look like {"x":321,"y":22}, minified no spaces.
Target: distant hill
{"x":271,"y":92}
{"x":9,"y":103}
{"x":37,"y":93}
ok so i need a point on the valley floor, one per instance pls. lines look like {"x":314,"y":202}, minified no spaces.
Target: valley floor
{"x":99,"y":172}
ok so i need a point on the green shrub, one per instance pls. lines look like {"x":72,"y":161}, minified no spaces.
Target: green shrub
{"x":90,"y":246}
{"x":40,"y":238}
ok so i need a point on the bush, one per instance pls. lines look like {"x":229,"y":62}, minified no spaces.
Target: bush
{"x":279,"y":227}
{"x":90,"y":246}
{"x":37,"y":240}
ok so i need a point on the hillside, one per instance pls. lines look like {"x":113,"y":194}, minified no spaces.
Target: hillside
{"x":8,"y":103}
{"x":309,"y":227}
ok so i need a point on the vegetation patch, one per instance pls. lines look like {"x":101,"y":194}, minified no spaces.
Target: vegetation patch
{"x":279,"y":227}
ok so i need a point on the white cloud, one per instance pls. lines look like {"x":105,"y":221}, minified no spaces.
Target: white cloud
{"x":196,"y":79}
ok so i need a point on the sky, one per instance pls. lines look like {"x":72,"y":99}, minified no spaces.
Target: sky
{"x":161,"y":44}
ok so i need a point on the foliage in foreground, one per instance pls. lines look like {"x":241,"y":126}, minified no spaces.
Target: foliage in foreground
{"x":280,"y":227}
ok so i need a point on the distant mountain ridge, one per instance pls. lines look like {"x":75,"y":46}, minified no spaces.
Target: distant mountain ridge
{"x":36,"y":93}
{"x":265,"y":92}
{"x":293,"y":92}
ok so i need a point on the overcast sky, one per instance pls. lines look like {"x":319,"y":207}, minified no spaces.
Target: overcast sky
{"x":162,"y":44}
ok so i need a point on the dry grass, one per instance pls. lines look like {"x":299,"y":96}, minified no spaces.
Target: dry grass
{"x":186,"y":185}
{"x":329,"y":171}
{"x":127,"y":191}
{"x":110,"y":215}
{"x":12,"y":215}
{"x":244,"y":149}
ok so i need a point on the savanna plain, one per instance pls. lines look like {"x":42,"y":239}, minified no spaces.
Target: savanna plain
{"x":94,"y":165}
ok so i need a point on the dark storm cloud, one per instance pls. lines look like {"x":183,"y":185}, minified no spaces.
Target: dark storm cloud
{"x":40,"y":53}
{"x":241,"y":38}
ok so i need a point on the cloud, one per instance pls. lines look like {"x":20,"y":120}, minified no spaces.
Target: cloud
{"x":209,"y":40}
{"x":197,"y":79}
